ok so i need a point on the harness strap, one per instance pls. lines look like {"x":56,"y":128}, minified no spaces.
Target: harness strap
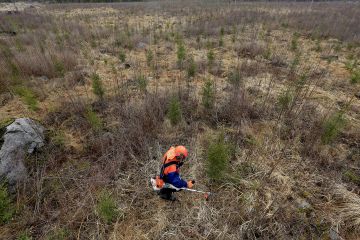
{"x":165,"y":165}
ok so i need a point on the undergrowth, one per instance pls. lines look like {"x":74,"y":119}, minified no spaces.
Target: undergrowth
{"x":106,"y":207}
{"x":218,"y":156}
{"x":262,"y":86}
{"x":93,"y":119}
{"x":332,"y":127}
{"x":174,"y":110}
{"x":7,"y":210}
{"x":28,"y":96}
{"x":208,"y":95}
{"x":97,"y":85}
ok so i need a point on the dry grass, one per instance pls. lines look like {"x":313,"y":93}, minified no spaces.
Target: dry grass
{"x":269,"y":100}
{"x":348,"y":207}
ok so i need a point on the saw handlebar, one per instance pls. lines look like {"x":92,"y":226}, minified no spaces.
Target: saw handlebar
{"x":193,"y":190}
{"x":167,"y":185}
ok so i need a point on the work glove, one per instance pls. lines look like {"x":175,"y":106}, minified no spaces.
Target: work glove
{"x":190,"y":183}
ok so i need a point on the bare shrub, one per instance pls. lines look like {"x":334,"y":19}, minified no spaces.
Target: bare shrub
{"x":307,"y":126}
{"x":76,"y":77}
{"x":67,"y":116}
{"x":217,"y":69}
{"x":34,"y":63}
{"x":236,"y":107}
{"x":132,"y":138}
{"x":201,"y":65}
{"x":52,"y":63}
{"x":321,"y":19}
{"x":60,"y":199}
{"x":3,"y":82}
{"x":250,"y":68}
{"x":250,"y":49}
{"x":39,"y":52}
{"x":332,"y":18}
{"x":277,"y":61}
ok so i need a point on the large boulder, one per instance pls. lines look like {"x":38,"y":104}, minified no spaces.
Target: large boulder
{"x":21,"y":137}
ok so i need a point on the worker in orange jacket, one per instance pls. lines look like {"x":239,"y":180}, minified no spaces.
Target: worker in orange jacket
{"x":172,"y":161}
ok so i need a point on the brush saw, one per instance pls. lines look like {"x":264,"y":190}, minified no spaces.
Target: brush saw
{"x":157,"y":184}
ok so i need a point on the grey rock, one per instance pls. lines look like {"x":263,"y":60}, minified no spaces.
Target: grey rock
{"x":141,"y":45}
{"x":21,"y":137}
{"x":303,"y":204}
{"x":108,"y":138}
{"x":334,"y":234}
{"x":43,"y":78}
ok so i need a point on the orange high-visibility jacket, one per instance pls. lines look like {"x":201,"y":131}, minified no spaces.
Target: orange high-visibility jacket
{"x":170,"y":169}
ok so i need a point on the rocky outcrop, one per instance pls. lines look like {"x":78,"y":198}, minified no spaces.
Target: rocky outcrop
{"x":18,"y":139}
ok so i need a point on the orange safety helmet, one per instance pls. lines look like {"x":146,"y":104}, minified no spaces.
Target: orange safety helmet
{"x":181,"y":150}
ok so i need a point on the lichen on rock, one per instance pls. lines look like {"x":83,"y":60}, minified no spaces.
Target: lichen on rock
{"x":18,"y":139}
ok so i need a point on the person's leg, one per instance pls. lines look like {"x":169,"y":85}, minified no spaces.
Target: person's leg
{"x":166,"y":193}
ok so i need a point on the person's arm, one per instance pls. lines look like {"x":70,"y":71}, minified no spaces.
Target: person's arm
{"x":173,"y":177}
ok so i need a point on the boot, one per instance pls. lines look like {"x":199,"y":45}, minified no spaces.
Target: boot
{"x":167,"y":195}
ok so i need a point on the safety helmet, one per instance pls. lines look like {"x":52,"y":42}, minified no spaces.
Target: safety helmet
{"x":181,"y":151}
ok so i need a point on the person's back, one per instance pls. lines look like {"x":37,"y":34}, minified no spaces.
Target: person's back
{"x":172,"y":160}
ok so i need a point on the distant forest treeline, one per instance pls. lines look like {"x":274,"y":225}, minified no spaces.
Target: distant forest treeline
{"x":110,"y":1}
{"x":70,"y":1}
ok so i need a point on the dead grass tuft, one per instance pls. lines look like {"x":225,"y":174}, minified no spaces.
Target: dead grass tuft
{"x":348,"y":207}
{"x":250,"y":49}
